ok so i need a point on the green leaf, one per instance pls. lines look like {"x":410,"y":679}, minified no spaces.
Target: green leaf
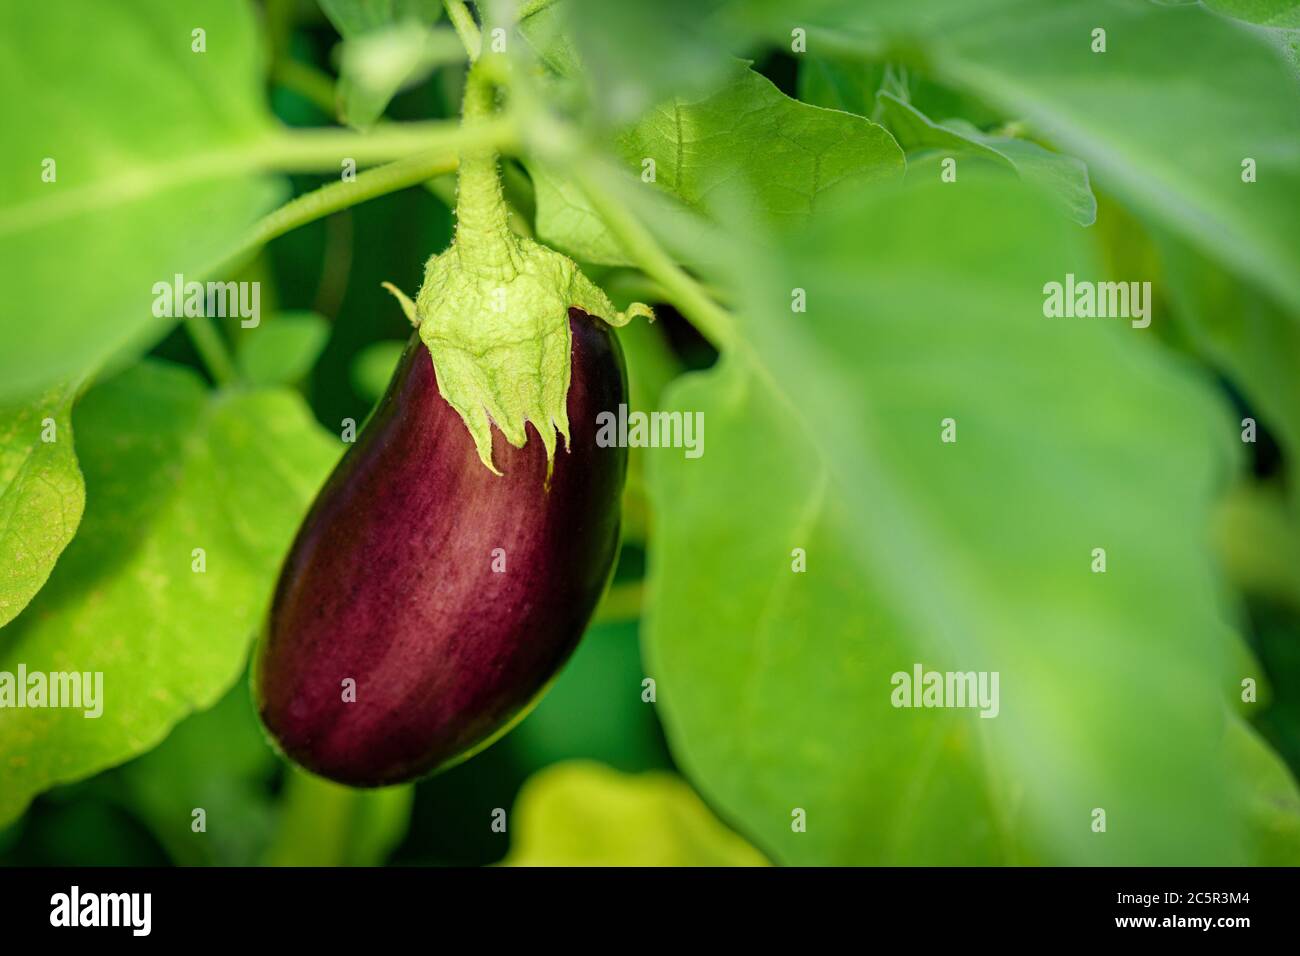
{"x":581,"y":813}
{"x":973,"y":556}
{"x":546,"y":32}
{"x":151,"y":145}
{"x":1279,"y":18}
{"x":633,"y":55}
{"x":355,"y":17}
{"x":325,"y":824}
{"x":41,"y":495}
{"x":388,"y":46}
{"x":1241,"y":331}
{"x":1281,"y":14}
{"x":745,"y":136}
{"x":169,"y":469}
{"x":378,"y":65}
{"x":839,"y":84}
{"x":373,"y":368}
{"x":282,"y":350}
{"x":1062,"y":176}
{"x":1154,"y":126}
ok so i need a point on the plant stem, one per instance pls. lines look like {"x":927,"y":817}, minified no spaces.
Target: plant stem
{"x":296,"y":150}
{"x":338,"y":196}
{"x":323,"y":150}
{"x":713,"y":321}
{"x":465,"y":26}
{"x":484,"y":241}
{"x":212,"y":350}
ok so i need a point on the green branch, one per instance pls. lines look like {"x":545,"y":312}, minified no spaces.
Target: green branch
{"x":409,"y":171}
{"x":713,"y":321}
{"x":465,"y":26}
{"x":323,"y":150}
{"x":335,"y":197}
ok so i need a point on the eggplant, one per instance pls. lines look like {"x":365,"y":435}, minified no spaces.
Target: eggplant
{"x":395,"y":581}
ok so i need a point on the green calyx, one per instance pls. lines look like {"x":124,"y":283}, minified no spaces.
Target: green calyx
{"x":494,"y":311}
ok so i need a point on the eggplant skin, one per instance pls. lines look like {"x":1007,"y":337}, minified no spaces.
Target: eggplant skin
{"x":390,"y":581}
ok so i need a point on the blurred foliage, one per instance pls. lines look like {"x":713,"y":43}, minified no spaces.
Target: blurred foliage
{"x":217,"y":762}
{"x":595,"y":709}
{"x":583,"y":814}
{"x":1063,"y":177}
{"x":325,"y":824}
{"x":283,"y":349}
{"x":373,"y":367}
{"x":388,"y":45}
{"x":145,"y":158}
{"x":845,"y":430}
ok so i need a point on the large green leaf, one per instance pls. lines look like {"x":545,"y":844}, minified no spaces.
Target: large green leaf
{"x":169,"y":469}
{"x":582,"y":813}
{"x":1073,"y":434}
{"x":150,"y":143}
{"x":746,"y":135}
{"x":41,"y":495}
{"x":1155,"y":126}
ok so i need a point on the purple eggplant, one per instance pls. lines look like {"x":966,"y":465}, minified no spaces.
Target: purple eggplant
{"x":448,"y":595}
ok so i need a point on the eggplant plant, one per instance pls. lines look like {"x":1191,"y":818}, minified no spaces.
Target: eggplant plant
{"x":441,"y":579}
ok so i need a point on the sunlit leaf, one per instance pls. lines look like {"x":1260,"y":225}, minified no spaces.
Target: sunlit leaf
{"x":191,"y":501}
{"x":747,"y":135}
{"x":41,"y":495}
{"x":584,"y":814}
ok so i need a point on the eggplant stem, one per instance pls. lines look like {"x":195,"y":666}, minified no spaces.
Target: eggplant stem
{"x":484,"y":240}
